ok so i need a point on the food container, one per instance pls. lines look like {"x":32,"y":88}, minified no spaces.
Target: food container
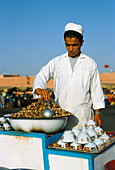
{"x":3,"y":120}
{"x":84,"y":137}
{"x":62,"y":144}
{"x":76,"y":131}
{"x":111,"y":134}
{"x":99,"y":130}
{"x":30,"y":118}
{"x":105,"y":138}
{"x":92,"y":133}
{"x":90,"y":147}
{"x":6,"y":126}
{"x":1,"y":127}
{"x":99,"y":143}
{"x":68,"y":136}
{"x":91,"y":123}
{"x":47,"y":125}
{"x":75,"y":145}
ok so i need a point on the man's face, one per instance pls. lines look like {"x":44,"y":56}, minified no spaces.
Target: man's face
{"x":73,"y":46}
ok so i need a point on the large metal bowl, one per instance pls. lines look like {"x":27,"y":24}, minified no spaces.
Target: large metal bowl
{"x":47,"y":125}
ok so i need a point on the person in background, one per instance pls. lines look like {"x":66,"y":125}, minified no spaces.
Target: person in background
{"x":24,"y":99}
{"x":77,"y":86}
{"x":106,"y":97}
{"x":19,"y":100}
{"x":14,"y":100}
{"x":2,"y":100}
{"x":10,"y":103}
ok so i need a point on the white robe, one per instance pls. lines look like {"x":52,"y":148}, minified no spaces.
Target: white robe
{"x":75,"y":90}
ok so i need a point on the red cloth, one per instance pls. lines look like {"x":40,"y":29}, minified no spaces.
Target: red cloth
{"x":106,"y":66}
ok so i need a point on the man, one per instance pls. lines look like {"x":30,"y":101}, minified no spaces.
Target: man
{"x":77,"y":84}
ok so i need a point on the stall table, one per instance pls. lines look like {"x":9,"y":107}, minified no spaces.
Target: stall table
{"x":67,"y":159}
{"x":25,"y":150}
{"x":32,"y":151}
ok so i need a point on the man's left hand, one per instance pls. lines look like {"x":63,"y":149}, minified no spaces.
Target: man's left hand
{"x":97,"y":119}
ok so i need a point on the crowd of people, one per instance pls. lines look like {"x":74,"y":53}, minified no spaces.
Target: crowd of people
{"x":109,"y":97}
{"x":15,"y":99}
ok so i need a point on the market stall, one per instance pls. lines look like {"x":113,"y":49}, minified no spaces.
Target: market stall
{"x":24,"y":150}
{"x":67,"y":158}
{"x":37,"y":141}
{"x":34,"y":151}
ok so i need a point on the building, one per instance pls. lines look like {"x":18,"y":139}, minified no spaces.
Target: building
{"x":26,"y":83}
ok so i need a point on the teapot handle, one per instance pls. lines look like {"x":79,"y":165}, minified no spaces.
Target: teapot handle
{"x":91,"y":114}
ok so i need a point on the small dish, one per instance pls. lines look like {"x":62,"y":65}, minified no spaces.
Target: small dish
{"x":105,"y":138}
{"x":92,"y":133}
{"x":68,"y":136}
{"x":91,"y":123}
{"x":99,"y":130}
{"x":76,"y":131}
{"x":3,"y":120}
{"x":61,"y":144}
{"x":90,"y":147}
{"x":84,"y":137}
{"x":1,"y":127}
{"x":75,"y":145}
{"x":6,"y":126}
{"x":99,"y":143}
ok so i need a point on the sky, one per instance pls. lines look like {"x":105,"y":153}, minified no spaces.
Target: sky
{"x":31,"y":32}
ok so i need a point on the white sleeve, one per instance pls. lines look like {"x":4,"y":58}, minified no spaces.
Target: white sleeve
{"x":41,"y":79}
{"x":97,"y":96}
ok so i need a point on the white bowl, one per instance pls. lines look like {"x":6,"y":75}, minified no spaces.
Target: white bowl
{"x":6,"y":126}
{"x":1,"y":127}
{"x":84,"y":138}
{"x":90,"y":147}
{"x":68,"y":136}
{"x":91,"y":123}
{"x":105,"y":138}
{"x":61,"y":144}
{"x":92,"y":133}
{"x":100,"y":144}
{"x":3,"y":120}
{"x":99,"y":130}
{"x":76,"y":131}
{"x":75,"y":145}
{"x":47,"y":125}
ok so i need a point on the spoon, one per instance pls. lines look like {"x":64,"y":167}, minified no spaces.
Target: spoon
{"x":47,"y":112}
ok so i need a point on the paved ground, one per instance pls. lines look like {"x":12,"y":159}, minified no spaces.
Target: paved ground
{"x":108,"y":116}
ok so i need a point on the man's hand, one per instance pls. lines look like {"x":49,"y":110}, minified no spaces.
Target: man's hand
{"x":44,"y":93}
{"x":97,"y":119}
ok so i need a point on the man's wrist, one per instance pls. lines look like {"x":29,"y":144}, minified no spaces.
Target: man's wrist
{"x":98,"y":112}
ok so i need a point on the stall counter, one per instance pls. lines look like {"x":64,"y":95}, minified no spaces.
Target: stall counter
{"x":25,"y":150}
{"x":66,"y":160}
{"x":30,"y":150}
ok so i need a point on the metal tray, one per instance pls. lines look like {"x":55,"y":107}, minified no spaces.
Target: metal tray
{"x":82,"y":151}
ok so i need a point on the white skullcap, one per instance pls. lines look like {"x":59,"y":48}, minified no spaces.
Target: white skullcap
{"x":74,"y":27}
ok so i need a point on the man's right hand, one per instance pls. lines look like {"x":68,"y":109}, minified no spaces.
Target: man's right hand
{"x":44,"y":93}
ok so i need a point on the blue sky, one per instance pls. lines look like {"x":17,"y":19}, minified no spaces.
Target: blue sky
{"x":31,"y":32}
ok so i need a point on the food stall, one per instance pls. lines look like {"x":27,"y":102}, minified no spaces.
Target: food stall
{"x":24,"y":150}
{"x":68,"y":158}
{"x":33,"y":151}
{"x":41,"y":143}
